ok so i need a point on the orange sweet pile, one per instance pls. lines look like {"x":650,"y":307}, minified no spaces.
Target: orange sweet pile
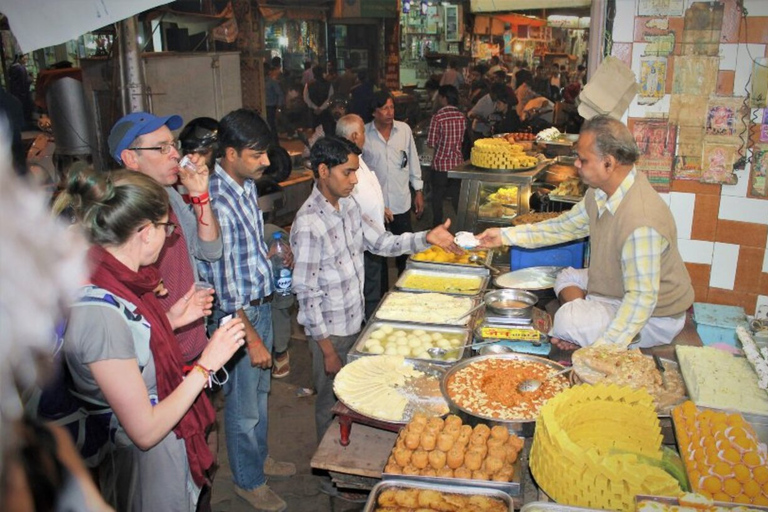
{"x":721,"y":455}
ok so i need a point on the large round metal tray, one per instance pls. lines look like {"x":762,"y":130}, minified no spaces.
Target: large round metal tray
{"x":523,"y":275}
{"x":421,"y":392}
{"x":467,"y":362}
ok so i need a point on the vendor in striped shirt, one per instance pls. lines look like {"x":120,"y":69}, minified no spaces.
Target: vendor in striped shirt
{"x":637,"y":289}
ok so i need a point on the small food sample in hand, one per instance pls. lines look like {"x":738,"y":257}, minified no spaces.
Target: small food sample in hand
{"x":466,"y":240}
{"x":412,"y":342}
{"x":499,"y":153}
{"x":454,"y":450}
{"x":429,"y":308}
{"x":488,"y":388}
{"x":424,"y":500}
{"x":631,"y":368}
{"x":440,"y":282}
{"x":722,"y":455}
{"x":388,"y":388}
{"x":437,"y":254}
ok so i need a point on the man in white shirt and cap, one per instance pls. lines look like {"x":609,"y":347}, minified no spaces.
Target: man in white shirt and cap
{"x":370,"y":198}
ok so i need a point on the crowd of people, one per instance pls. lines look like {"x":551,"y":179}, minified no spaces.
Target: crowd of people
{"x":179,"y":302}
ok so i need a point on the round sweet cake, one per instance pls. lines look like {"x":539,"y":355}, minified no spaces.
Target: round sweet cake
{"x":498,"y":153}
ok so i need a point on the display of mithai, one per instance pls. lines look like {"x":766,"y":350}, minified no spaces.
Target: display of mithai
{"x":533,"y":217}
{"x":412,"y":342}
{"x":758,"y":357}
{"x":449,"y":449}
{"x":722,"y":455}
{"x":688,"y":502}
{"x":435,"y":281}
{"x":631,"y":368}
{"x":430,"y":308}
{"x":716,"y":379}
{"x":571,"y":187}
{"x":486,"y":387}
{"x":388,"y":388}
{"x":600,"y":446}
{"x":436,"y":254}
{"x":405,"y":498}
{"x":499,"y":153}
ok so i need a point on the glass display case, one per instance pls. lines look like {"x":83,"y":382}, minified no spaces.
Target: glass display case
{"x":492,"y":197}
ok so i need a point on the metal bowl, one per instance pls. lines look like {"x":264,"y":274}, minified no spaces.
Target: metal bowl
{"x":495,"y":348}
{"x":498,"y":302}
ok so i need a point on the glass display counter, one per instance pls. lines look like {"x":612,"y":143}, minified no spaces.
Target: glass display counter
{"x":492,"y":197}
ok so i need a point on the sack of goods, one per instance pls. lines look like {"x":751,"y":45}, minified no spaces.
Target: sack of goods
{"x":500,"y":154}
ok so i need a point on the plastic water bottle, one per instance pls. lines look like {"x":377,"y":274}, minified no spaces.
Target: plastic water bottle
{"x":282,"y":273}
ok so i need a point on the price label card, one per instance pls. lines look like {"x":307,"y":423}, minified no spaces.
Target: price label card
{"x":509,"y":333}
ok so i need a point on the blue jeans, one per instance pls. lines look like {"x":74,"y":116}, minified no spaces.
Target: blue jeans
{"x":245,"y":412}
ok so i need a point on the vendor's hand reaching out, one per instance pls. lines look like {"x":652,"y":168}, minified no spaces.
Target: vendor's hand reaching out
{"x":490,"y":238}
{"x":440,"y":236}
{"x":190,"y":307}
{"x":196,"y":182}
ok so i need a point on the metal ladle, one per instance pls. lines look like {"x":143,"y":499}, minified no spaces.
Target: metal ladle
{"x":530,"y":385}
{"x":479,"y":261}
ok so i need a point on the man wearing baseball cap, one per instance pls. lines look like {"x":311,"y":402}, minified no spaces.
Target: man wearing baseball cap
{"x":143,"y":142}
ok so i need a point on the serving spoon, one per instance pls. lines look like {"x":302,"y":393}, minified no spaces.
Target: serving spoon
{"x":479,"y":261}
{"x":439,"y":353}
{"x":529,"y":385}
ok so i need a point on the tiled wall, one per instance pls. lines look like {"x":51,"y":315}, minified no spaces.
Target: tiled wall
{"x":723,"y":234}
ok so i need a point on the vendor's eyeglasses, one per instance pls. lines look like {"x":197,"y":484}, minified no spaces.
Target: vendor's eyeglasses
{"x":164,"y":147}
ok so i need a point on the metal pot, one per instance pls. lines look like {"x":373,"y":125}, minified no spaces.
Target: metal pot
{"x":498,"y":302}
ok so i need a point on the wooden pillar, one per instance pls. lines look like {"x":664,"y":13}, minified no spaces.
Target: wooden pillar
{"x":250,"y":43}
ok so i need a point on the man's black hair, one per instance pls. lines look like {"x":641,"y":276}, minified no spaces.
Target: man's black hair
{"x":499,"y":93}
{"x":450,"y":93}
{"x":380,"y":99}
{"x":331,"y":151}
{"x":244,"y":129}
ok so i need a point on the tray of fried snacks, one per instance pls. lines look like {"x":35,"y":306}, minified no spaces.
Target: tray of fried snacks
{"x":689,"y":501}
{"x":534,"y":217}
{"x":723,"y":456}
{"x":389,"y":496}
{"x":570,"y":190}
{"x":437,"y":258}
{"x":446,"y":451}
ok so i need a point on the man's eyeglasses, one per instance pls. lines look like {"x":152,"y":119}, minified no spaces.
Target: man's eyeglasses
{"x":164,"y":147}
{"x":170,"y":227}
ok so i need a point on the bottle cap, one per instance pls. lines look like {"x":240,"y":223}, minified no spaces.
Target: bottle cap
{"x":277,"y":235}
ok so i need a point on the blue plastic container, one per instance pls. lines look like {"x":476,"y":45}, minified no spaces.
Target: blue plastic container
{"x":569,"y":254}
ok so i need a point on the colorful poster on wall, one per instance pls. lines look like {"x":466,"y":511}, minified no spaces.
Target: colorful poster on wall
{"x":653,"y":80}
{"x":758,"y":177}
{"x":656,"y":141}
{"x":725,"y":120}
{"x":660,"y":7}
{"x":717,"y":163}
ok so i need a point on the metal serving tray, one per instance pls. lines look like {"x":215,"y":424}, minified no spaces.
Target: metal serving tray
{"x":380,"y":487}
{"x":466,"y":321}
{"x":400,"y":284}
{"x":358,"y":352}
{"x":450,"y":267}
{"x":509,"y":488}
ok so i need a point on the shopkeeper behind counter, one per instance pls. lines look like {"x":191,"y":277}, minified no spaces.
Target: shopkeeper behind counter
{"x":637,"y":289}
